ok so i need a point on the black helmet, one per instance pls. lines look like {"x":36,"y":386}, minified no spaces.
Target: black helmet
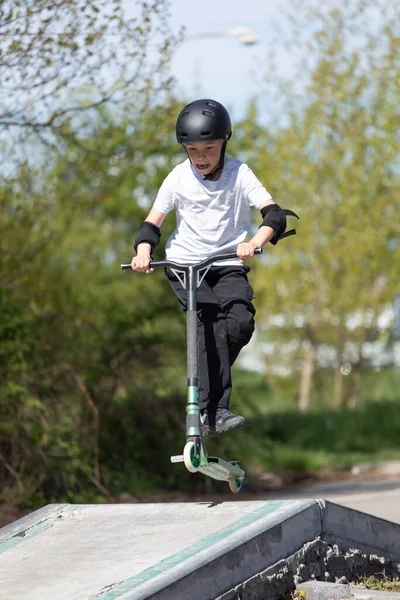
{"x":202,"y":121}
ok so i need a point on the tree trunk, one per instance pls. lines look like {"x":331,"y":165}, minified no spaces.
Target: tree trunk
{"x":354,"y":383}
{"x":339,"y":381}
{"x":303,"y":402}
{"x":339,"y":388}
{"x":351,"y":398}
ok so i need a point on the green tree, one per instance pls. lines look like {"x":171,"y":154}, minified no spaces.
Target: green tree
{"x":81,"y":340}
{"x":335,"y":163}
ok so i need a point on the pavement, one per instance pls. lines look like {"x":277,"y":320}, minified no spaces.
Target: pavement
{"x":384,"y":504}
{"x":373,"y":496}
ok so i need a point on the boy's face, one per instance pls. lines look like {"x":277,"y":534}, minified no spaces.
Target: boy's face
{"x":205,"y":155}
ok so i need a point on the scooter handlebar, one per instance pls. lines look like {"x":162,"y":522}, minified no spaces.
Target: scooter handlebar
{"x":167,"y":263}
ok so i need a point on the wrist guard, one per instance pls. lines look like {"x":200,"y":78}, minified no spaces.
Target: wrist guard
{"x":274,"y":216}
{"x":148,"y":233}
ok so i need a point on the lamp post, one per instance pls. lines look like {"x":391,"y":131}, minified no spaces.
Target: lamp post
{"x":244,"y":35}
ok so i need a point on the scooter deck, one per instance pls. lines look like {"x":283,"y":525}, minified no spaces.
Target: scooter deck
{"x":220,"y":469}
{"x":216,"y":468}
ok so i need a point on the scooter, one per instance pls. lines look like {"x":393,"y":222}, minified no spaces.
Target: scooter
{"x":195,"y":455}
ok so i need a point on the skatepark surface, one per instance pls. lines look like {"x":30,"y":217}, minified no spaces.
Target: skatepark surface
{"x":171,"y":550}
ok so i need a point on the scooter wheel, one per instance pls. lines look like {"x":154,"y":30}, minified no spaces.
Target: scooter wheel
{"x":191,"y":463}
{"x":235,"y":485}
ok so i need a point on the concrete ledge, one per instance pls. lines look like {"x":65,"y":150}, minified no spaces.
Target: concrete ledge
{"x":321,"y":590}
{"x":360,"y":594}
{"x":171,"y":551}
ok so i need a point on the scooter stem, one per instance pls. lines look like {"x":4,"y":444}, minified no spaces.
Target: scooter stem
{"x":192,"y":407}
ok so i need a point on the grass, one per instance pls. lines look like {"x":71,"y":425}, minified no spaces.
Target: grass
{"x":279,"y":439}
{"x":381,"y":582}
{"x":326,"y":439}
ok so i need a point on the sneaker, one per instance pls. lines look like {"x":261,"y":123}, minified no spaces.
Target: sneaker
{"x":204,"y":424}
{"x":225,"y":420}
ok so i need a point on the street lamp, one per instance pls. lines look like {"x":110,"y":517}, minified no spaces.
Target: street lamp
{"x":244,"y":35}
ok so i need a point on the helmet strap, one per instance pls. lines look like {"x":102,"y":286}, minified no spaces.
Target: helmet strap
{"x":215,"y":173}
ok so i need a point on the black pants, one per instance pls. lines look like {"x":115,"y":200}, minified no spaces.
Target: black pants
{"x":225,"y":324}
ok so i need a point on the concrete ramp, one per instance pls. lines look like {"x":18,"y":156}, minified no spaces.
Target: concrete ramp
{"x":175,"y":551}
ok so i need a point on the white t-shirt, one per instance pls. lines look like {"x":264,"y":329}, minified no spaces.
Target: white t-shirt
{"x":212,"y":217}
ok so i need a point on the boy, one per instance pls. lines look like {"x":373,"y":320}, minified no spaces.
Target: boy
{"x":211,"y":194}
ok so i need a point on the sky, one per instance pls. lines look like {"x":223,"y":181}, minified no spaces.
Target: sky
{"x":222,"y":67}
{"x":225,"y":69}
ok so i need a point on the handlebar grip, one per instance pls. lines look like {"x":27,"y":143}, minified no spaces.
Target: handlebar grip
{"x":153,"y":263}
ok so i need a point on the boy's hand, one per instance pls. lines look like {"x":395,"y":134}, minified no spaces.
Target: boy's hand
{"x":141,"y":261}
{"x":245,"y":250}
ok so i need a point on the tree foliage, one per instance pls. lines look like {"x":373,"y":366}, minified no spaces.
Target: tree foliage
{"x":335,"y":163}
{"x":63,"y":59}
{"x":79,"y":337}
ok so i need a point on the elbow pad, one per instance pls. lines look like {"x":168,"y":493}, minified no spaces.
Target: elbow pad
{"x":274,"y":216}
{"x":148,"y":233}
